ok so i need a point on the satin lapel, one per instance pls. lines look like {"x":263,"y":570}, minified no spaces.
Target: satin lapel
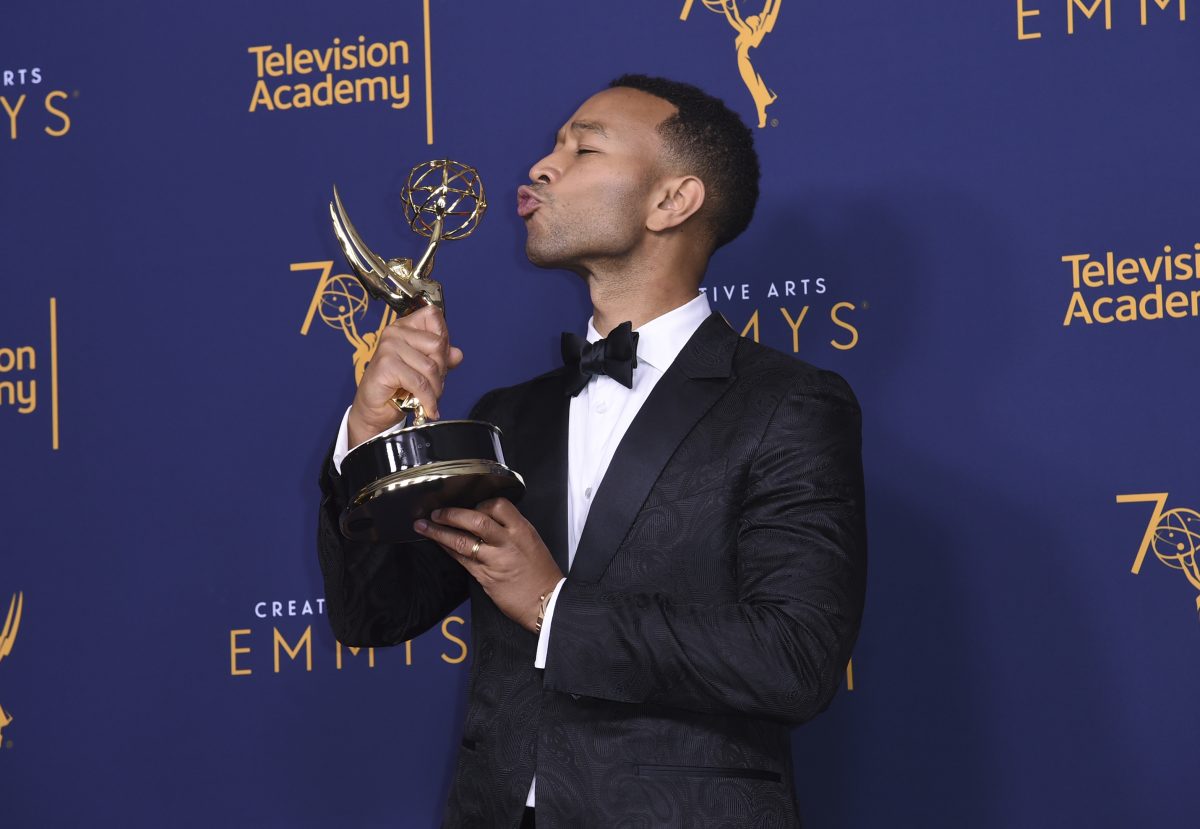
{"x":700,"y":374}
{"x":541,"y":433}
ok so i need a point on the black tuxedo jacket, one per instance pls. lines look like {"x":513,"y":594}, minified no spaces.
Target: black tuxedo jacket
{"x":713,"y":603}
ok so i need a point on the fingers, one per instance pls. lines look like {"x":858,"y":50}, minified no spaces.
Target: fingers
{"x":431,"y":319}
{"x":433,"y":345}
{"x":421,"y":375}
{"x":453,"y":541}
{"x":472,"y":522}
{"x":459,"y":530}
{"x":422,"y":341}
{"x":399,"y":365}
{"x":502,"y":511}
{"x":413,"y":354}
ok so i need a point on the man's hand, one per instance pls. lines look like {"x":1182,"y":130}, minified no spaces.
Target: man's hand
{"x":414,"y":354}
{"x":511,"y":562}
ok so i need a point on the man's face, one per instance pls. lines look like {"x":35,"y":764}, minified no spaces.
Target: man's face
{"x":591,"y":195}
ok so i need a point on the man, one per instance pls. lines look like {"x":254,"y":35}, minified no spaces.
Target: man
{"x":683,"y":580}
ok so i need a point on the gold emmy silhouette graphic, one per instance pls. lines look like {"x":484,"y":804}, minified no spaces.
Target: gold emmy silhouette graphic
{"x":7,"y":636}
{"x":1176,"y":540}
{"x":1173,"y":534}
{"x":406,"y":473}
{"x":343,"y":305}
{"x":750,"y":33}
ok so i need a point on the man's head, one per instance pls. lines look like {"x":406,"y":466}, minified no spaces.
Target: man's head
{"x":646,"y":160}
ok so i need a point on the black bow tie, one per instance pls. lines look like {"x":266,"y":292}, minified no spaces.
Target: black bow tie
{"x":615,"y":356}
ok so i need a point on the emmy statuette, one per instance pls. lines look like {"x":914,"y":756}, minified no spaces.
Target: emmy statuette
{"x":409,"y":471}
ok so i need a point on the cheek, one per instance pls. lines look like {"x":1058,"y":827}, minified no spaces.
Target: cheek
{"x":625,"y":187}
{"x":616,"y":199}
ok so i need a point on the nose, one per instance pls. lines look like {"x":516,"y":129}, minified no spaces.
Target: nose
{"x":544,"y":171}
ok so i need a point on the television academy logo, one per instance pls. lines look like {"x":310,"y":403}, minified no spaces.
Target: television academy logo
{"x":1109,"y":287}
{"x":341,"y":71}
{"x":25,"y":373}
{"x":295,"y":77}
{"x":750,"y":31}
{"x":7,"y":637}
{"x":1173,"y":534}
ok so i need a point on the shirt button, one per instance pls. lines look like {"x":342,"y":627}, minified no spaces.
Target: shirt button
{"x":587,"y":493}
{"x":601,"y":407}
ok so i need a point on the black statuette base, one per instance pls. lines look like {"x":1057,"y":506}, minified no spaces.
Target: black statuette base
{"x":397,"y":478}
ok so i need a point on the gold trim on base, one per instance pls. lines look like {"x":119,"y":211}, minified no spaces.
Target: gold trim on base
{"x":430,"y":472}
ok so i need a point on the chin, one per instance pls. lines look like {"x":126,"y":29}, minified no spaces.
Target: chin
{"x":542,"y":258}
{"x":535,"y":258}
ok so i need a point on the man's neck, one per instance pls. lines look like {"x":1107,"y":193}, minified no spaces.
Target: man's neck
{"x":609,"y":311}
{"x":638,"y":296}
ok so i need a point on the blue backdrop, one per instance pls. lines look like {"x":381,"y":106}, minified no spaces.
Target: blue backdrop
{"x":966,"y":211}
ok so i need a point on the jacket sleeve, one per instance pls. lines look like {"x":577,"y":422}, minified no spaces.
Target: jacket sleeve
{"x":777,"y":652}
{"x":382,"y":594}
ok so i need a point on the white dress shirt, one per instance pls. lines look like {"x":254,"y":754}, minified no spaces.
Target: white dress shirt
{"x":599,"y":417}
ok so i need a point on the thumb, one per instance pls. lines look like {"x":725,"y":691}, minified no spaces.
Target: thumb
{"x":432,"y":319}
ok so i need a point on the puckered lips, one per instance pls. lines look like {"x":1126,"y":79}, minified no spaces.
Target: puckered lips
{"x":527,"y":201}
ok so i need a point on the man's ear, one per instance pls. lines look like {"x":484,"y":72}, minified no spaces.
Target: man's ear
{"x":679,"y":199}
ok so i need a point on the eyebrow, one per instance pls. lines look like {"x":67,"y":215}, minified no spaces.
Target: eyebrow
{"x":589,"y":126}
{"x":586,"y":126}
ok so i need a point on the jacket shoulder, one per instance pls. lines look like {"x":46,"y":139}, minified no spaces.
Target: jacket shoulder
{"x":766,"y":369}
{"x":508,"y":398}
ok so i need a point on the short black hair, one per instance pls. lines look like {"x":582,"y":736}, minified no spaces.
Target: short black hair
{"x":711,"y":141}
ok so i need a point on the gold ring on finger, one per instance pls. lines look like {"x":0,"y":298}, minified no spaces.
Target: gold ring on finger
{"x":475,"y":548}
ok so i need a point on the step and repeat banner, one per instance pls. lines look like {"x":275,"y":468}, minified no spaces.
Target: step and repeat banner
{"x":986,"y":216}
